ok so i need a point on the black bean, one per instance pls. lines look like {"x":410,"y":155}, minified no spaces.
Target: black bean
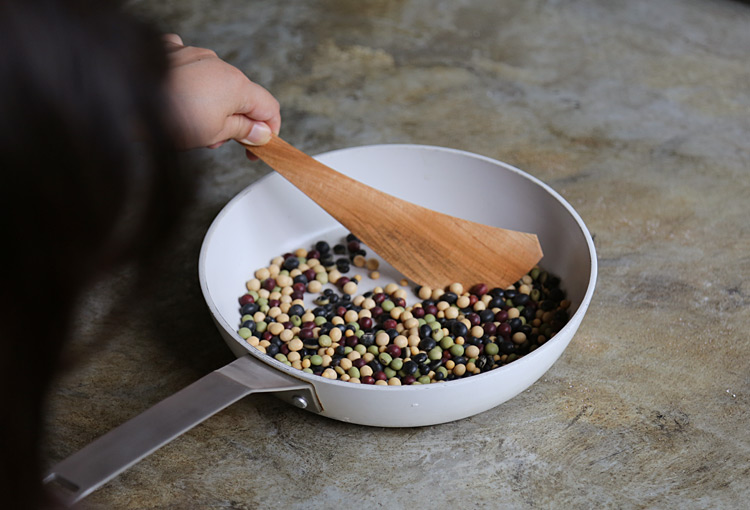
{"x":435,"y":364}
{"x":497,"y":292}
{"x":425,"y":331}
{"x":427,"y":344}
{"x":484,"y":363}
{"x":297,"y":310}
{"x":506,"y":346}
{"x":343,"y":265}
{"x":449,"y":297}
{"x":291,"y":263}
{"x":249,"y":309}
{"x":410,"y":367}
{"x":497,"y":302}
{"x":325,"y":328}
{"x":521,"y":299}
{"x":323,"y":247}
{"x":276,"y":341}
{"x":487,"y":316}
{"x":420,"y":357}
{"x":367,"y":339}
{"x":459,"y":329}
{"x":249,"y":324}
{"x":515,"y":324}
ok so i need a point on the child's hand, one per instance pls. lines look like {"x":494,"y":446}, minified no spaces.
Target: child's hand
{"x":215,"y":102}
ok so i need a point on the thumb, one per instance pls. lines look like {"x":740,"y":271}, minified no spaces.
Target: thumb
{"x":256,"y":133}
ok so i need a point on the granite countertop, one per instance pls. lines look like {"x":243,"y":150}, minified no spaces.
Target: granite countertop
{"x":637,"y":112}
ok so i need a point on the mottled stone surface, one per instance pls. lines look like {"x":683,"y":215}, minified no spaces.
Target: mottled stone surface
{"x":637,"y":112}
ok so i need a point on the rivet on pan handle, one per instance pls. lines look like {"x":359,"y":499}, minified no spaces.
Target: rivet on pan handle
{"x":109,"y":455}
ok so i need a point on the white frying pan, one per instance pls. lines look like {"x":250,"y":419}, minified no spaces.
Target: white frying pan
{"x":271,"y":217}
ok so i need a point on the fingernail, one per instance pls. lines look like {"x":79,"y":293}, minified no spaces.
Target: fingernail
{"x":260,"y":134}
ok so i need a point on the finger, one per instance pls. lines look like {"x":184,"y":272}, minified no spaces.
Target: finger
{"x":261,"y":105}
{"x":241,"y":128}
{"x":172,"y":39}
{"x":260,"y":134}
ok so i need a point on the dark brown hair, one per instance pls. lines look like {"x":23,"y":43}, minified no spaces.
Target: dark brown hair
{"x":88,"y":179}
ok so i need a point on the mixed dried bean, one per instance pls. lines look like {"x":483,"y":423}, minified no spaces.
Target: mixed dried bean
{"x":376,"y":337}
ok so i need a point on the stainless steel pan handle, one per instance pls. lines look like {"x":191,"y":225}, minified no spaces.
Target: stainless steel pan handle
{"x":106,"y":457}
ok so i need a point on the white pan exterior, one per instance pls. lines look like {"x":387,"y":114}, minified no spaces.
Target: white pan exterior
{"x":271,"y":217}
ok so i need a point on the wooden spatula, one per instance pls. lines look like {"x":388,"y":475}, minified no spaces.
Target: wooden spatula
{"x":428,"y":247}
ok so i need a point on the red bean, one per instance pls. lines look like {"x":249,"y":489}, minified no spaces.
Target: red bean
{"x":480,"y":289}
{"x":504,"y":329}
{"x":269,"y":284}
{"x":390,"y":324}
{"x":489,"y":328}
{"x":394,"y":350}
{"x":366,"y":323}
